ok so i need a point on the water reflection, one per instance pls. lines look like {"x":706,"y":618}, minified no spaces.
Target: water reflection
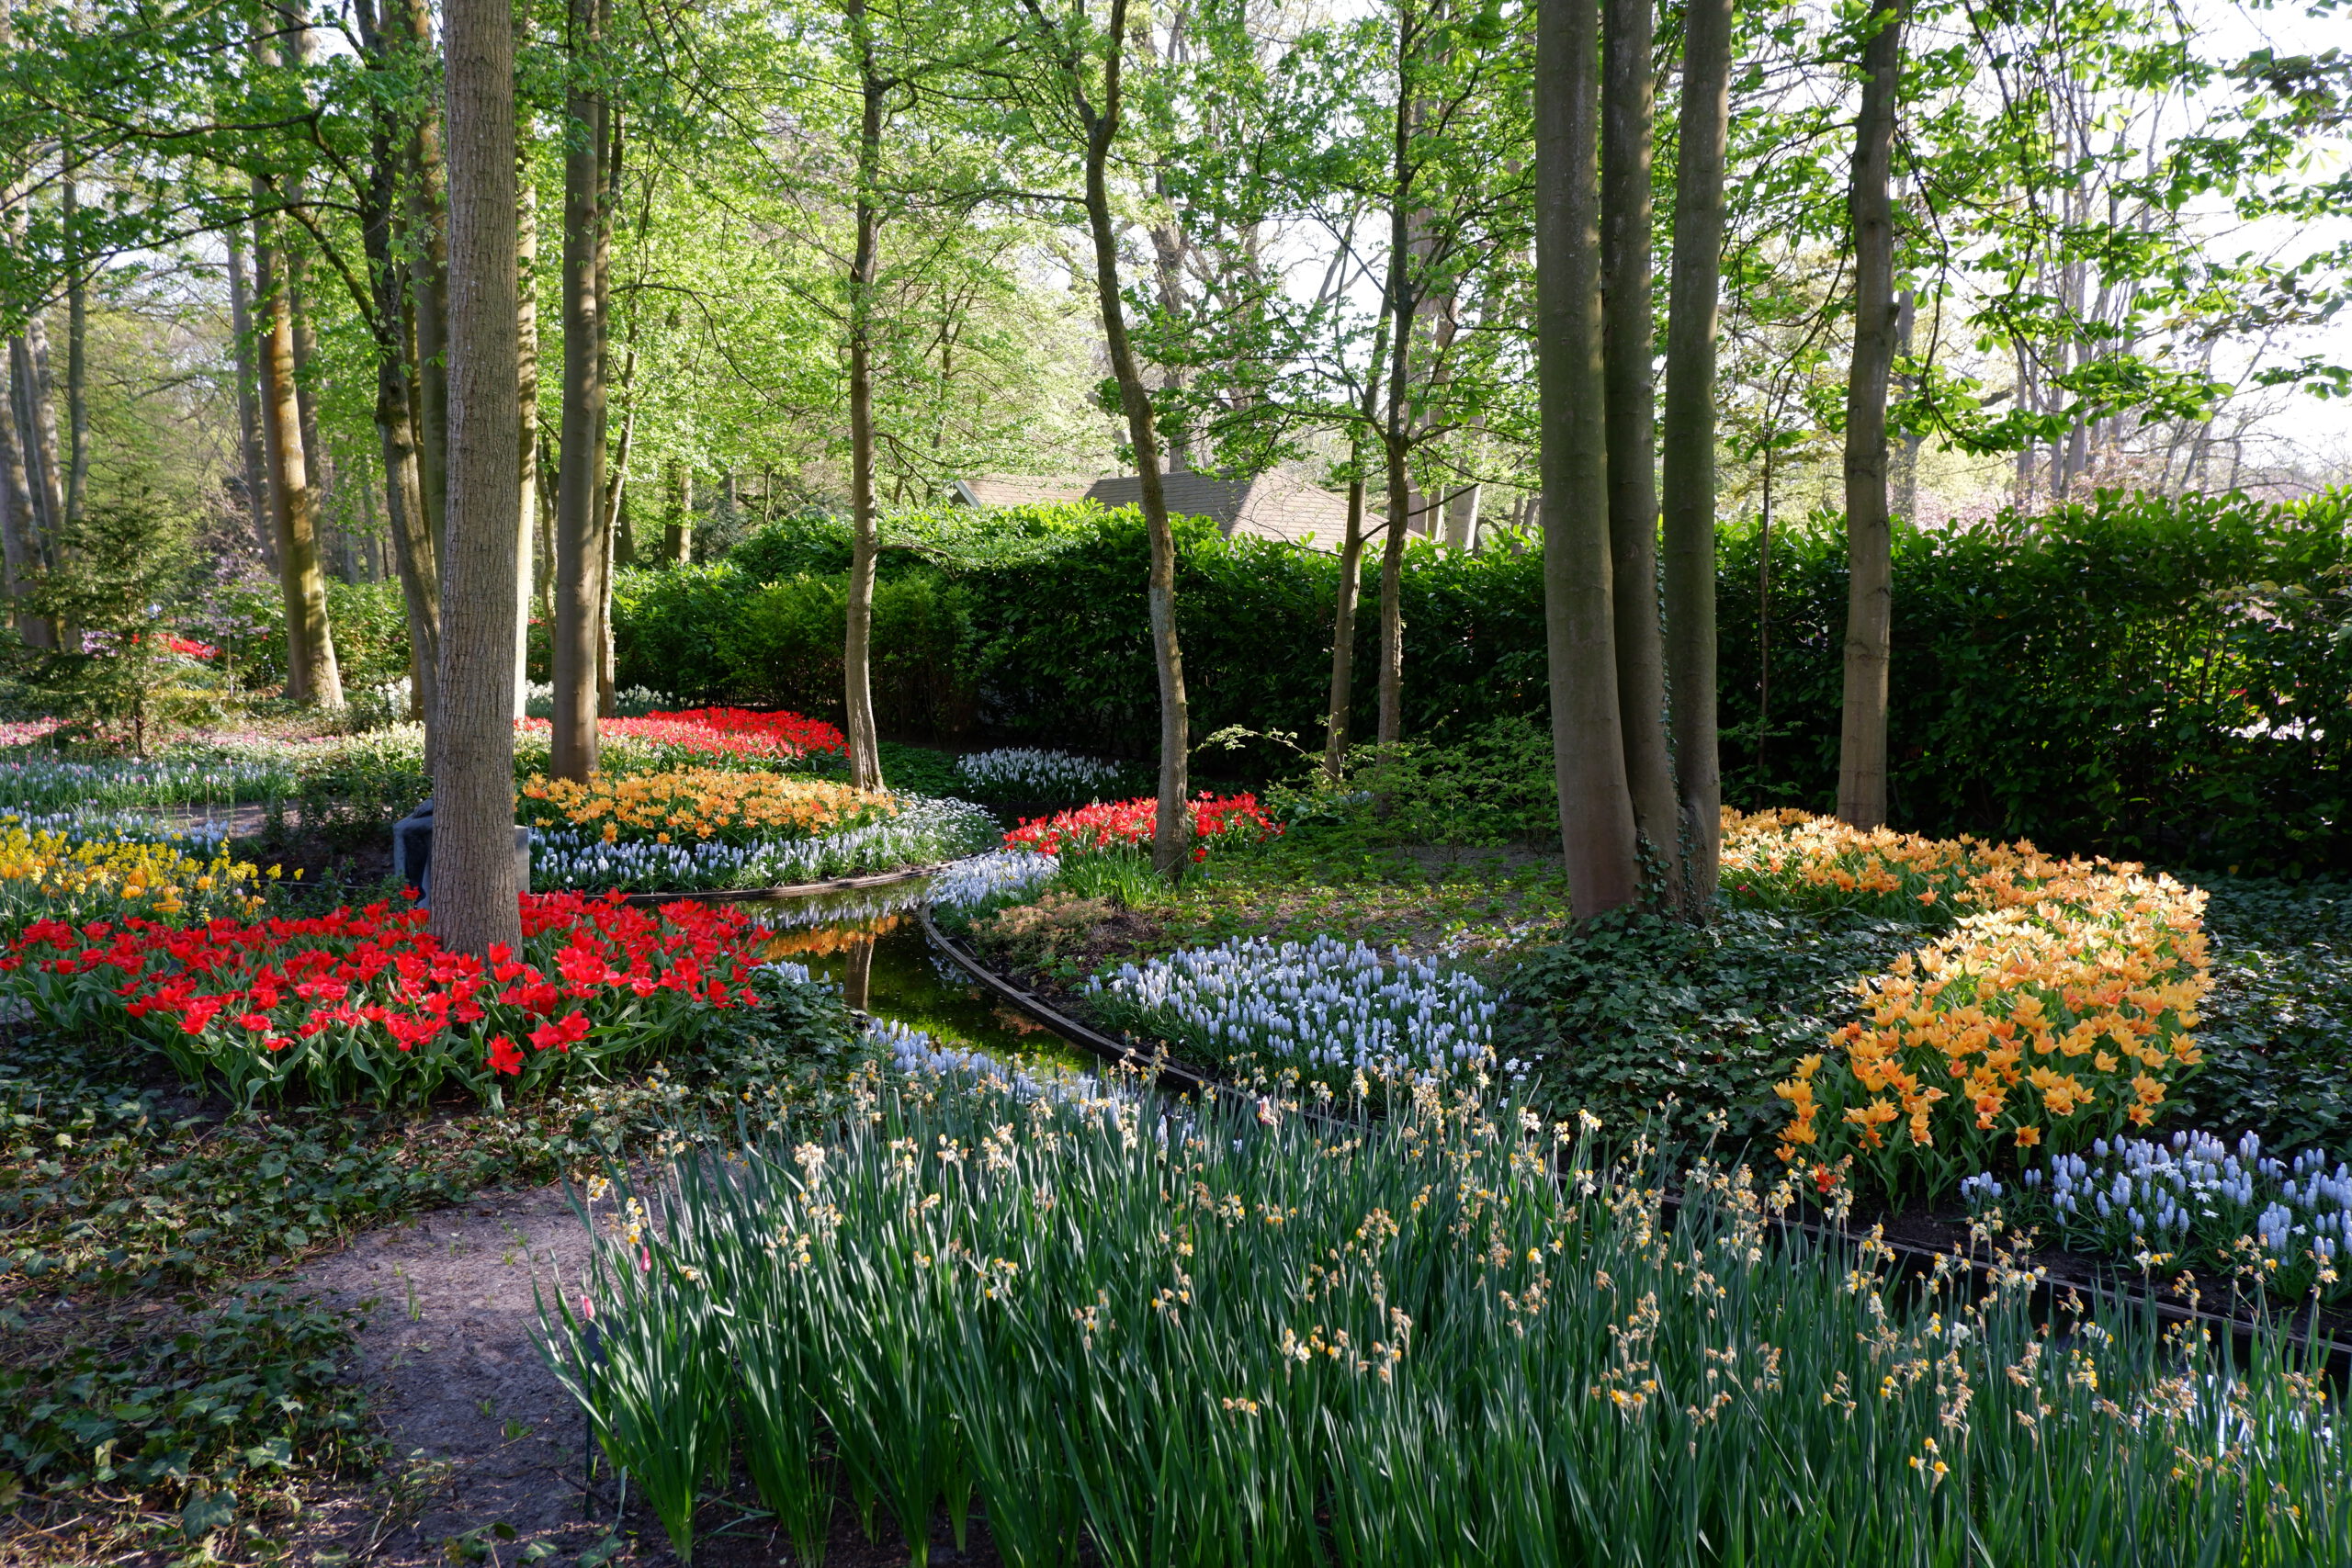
{"x":868,"y":942}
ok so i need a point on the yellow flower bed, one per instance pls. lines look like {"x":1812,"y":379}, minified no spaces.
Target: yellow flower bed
{"x":2057,"y":1011}
{"x":49,"y":875}
{"x":695,"y":805}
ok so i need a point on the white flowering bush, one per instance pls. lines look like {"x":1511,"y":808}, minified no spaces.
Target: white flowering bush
{"x":1035,"y":774}
{"x":925,"y":830}
{"x":2196,"y":1203}
{"x":1337,"y":1012}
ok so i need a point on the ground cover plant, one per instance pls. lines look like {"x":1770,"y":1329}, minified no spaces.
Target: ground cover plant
{"x":1238,"y":1333}
{"x":366,"y":1004}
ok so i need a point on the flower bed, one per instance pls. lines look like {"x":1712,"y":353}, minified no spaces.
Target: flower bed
{"x":53,"y":784}
{"x":1216,"y":822}
{"x":708,"y":738}
{"x":1029,"y":773}
{"x":700,"y":805}
{"x":920,"y":831}
{"x":2192,"y":1203}
{"x":2054,"y":1014}
{"x":49,"y":871}
{"x":1235,"y":1336}
{"x":366,"y":1004}
{"x":1332,"y":1012}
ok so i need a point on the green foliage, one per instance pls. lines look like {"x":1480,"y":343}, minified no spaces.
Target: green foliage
{"x":114,"y":1183}
{"x":255,"y":1388}
{"x":119,"y":572}
{"x":2154,"y":679}
{"x":1493,"y":788}
{"x":369,"y":621}
{"x":2279,"y":1019}
{"x":1642,"y":1018}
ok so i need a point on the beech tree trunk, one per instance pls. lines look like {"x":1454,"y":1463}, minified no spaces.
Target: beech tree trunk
{"x":582,"y":544}
{"x":1343,"y":636}
{"x":414,"y":555}
{"x":16,"y":525}
{"x":39,"y":418}
{"x":77,"y":354}
{"x":857,"y":648}
{"x":429,"y":264}
{"x":1171,"y":843}
{"x":678,"y":514}
{"x":526,"y":365}
{"x":249,"y":452}
{"x":1400,"y":306}
{"x":1689,"y":439}
{"x":1869,"y":604}
{"x":311,"y":673}
{"x":1597,"y":827}
{"x":1625,"y":283}
{"x":475,"y":889}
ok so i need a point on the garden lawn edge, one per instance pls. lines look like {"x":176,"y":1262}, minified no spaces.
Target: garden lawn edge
{"x":1165,"y":1074}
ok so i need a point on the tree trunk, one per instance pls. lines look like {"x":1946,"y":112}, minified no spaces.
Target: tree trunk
{"x":526,"y":450}
{"x":1597,"y":828}
{"x":1171,"y":843}
{"x":1400,"y":306}
{"x":475,"y":887}
{"x":857,"y":648}
{"x":77,"y":352}
{"x":582,"y":540}
{"x":1343,"y":633}
{"x":1861,"y":753}
{"x":414,"y":555}
{"x":248,"y":411}
{"x":429,"y":284}
{"x":1689,"y":443}
{"x":312,"y":674}
{"x":1630,"y":417}
{"x":17,"y":525}
{"x":40,"y":417}
{"x":678,"y":519}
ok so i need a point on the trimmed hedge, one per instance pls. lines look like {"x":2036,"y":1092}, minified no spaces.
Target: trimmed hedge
{"x":2136,"y":676}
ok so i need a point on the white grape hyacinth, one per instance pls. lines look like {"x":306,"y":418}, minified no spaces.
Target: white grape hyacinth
{"x":1038,"y":771}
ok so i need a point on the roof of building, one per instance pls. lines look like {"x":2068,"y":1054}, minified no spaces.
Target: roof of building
{"x":1272,"y":506}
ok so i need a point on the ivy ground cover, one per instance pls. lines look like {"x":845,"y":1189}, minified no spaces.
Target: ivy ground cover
{"x":1238,"y":1334}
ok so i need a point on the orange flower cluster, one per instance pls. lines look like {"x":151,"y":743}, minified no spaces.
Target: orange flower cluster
{"x":2057,"y":1012}
{"x":1793,"y":857}
{"x":702,"y":804}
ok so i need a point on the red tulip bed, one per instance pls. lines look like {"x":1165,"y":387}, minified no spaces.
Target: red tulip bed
{"x":717,"y":737}
{"x":1217,"y":822}
{"x":366,"y":1004}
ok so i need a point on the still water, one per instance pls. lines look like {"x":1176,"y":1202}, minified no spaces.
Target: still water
{"x":869,"y":944}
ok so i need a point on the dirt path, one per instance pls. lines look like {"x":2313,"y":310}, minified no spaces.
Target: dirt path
{"x":484,"y":1434}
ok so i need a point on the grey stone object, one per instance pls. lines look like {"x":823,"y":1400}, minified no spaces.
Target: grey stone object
{"x":412,"y":852}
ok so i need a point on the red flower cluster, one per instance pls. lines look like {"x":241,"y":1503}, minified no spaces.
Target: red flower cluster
{"x":1216,"y":821}
{"x":711,"y":735}
{"x":190,"y":647}
{"x":368,"y":1003}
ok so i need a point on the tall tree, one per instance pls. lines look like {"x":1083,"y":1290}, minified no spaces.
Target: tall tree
{"x":1688,"y":445}
{"x":857,"y":648}
{"x":1861,"y":753}
{"x":582,"y":530}
{"x":476,"y":901}
{"x":1066,"y":46}
{"x":1626,"y":111}
{"x":1597,"y":825}
{"x":249,"y":453}
{"x":423,"y":194}
{"x":527,"y":423}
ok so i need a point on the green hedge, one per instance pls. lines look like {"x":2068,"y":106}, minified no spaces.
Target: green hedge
{"x":2139,"y":676}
